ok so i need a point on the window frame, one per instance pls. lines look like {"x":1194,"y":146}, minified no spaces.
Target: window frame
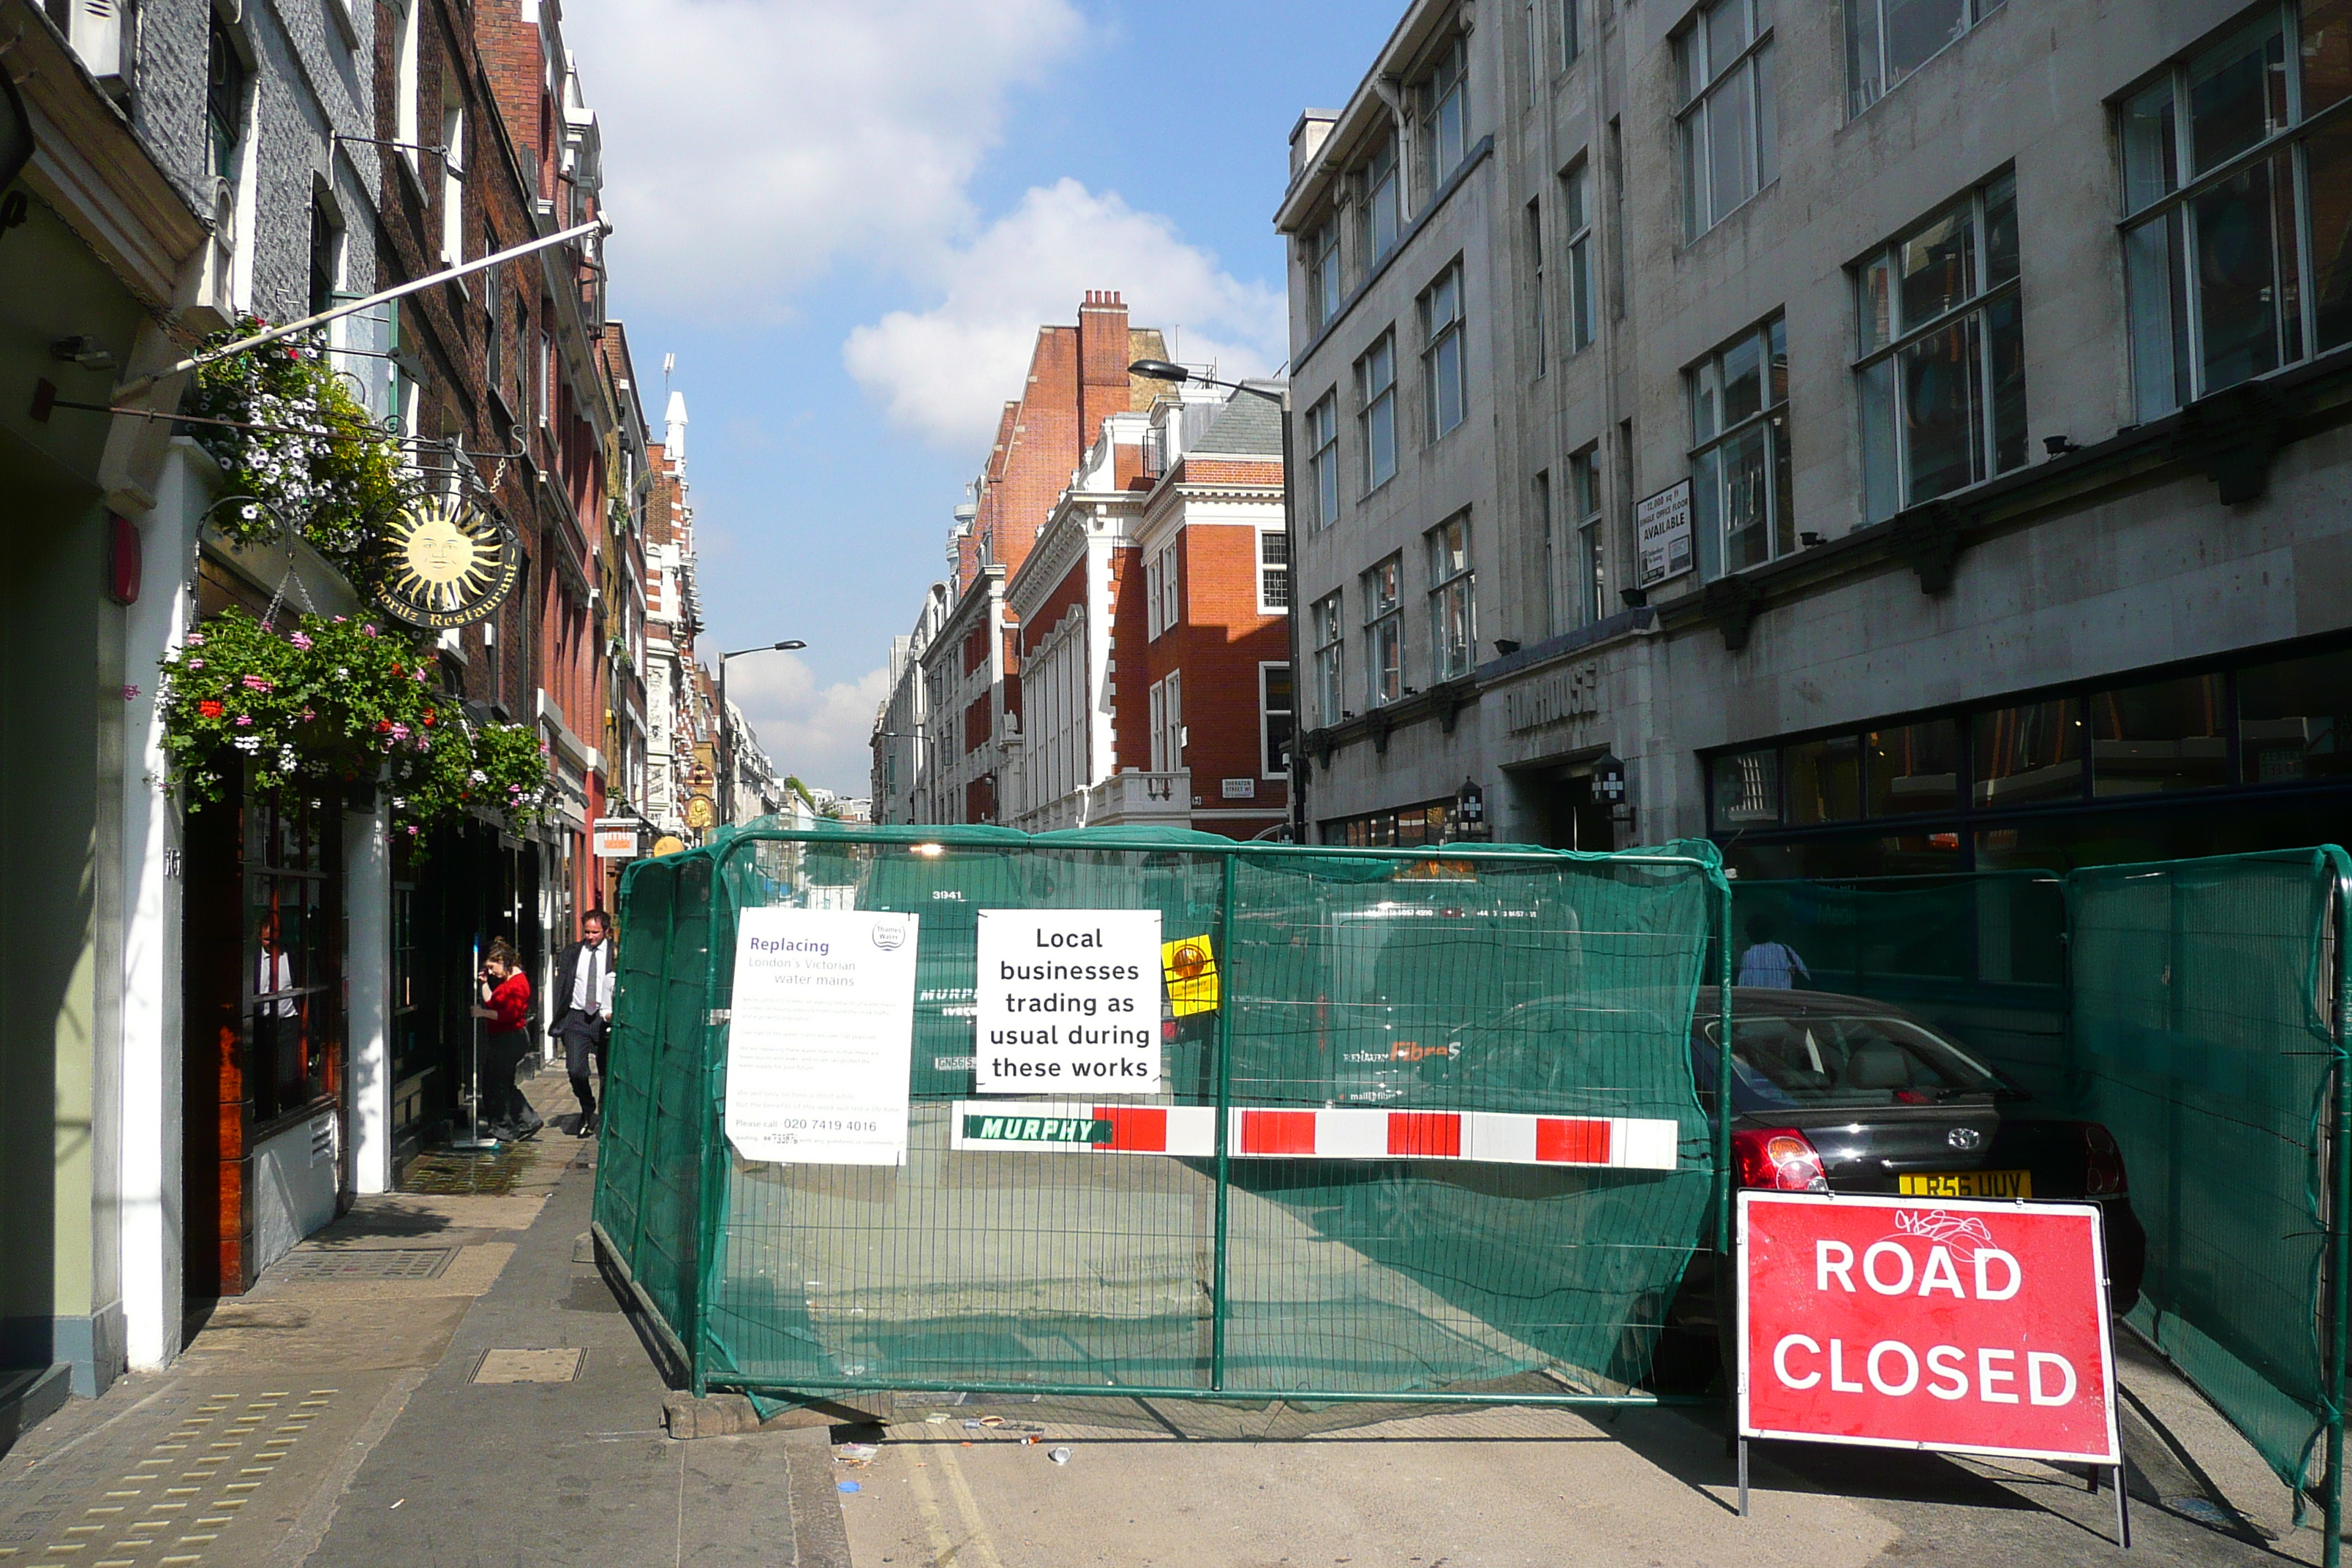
{"x":1269,"y":571}
{"x":1452,"y":597}
{"x":1694,"y":116}
{"x":1375,"y":408}
{"x":1576,"y":222}
{"x":2175,"y":207}
{"x":1266,"y":715}
{"x":453,"y":174}
{"x":1381,"y":193}
{"x":1988,"y":293}
{"x":1384,"y":589}
{"x":1592,"y":543}
{"x":1535,"y":254}
{"x":1704,"y":380}
{"x":1441,"y":338}
{"x":1323,"y":460}
{"x":1539,"y":490}
{"x":1443,"y":89}
{"x":1320,"y":259}
{"x":1974,"y":15}
{"x":1327,"y":627}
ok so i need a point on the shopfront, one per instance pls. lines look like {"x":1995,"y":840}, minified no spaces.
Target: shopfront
{"x":2249,"y":752}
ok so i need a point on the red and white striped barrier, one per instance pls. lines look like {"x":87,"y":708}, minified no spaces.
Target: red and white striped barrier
{"x":1493,"y":1137}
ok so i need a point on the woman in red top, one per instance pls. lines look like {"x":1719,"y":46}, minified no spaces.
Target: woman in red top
{"x":506,"y":1002}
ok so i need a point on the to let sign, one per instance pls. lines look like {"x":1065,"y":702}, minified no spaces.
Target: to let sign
{"x":1978,"y":1328}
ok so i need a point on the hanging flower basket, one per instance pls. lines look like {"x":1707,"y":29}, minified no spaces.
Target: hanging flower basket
{"x":331,"y":704}
{"x":315,"y":460}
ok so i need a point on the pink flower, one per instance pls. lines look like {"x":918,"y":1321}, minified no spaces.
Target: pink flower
{"x":244,"y":720}
{"x":399,"y":732}
{"x":256,"y":683}
{"x":298,"y":639}
{"x":130,"y":694}
{"x":308,"y":715}
{"x":411,"y":830}
{"x":195,"y":639}
{"x":196,"y":664}
{"x":341,"y":619}
{"x":367,"y":631}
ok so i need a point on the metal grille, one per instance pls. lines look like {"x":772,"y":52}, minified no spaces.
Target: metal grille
{"x":311,"y":1265}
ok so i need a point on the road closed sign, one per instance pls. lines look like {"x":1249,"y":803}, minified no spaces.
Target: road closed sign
{"x":1977,"y":1328}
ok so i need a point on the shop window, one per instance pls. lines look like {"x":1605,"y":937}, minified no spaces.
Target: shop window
{"x":2032,"y":752}
{"x":1825,"y":780}
{"x":1748,"y":790}
{"x":2147,"y":739}
{"x":2295,"y":720}
{"x":292,"y":979}
{"x":1913,"y":768}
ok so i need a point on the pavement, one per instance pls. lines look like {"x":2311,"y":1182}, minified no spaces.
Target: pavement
{"x":446,"y":1377}
{"x":439,"y":1378}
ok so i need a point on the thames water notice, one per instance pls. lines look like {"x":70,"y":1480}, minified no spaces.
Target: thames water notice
{"x":1067,"y":1002}
{"x":820,"y":1036}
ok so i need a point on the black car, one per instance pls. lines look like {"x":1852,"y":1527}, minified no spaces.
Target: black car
{"x":1844,"y":1094}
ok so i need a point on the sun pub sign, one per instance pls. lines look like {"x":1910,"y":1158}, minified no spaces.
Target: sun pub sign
{"x":451,"y":566}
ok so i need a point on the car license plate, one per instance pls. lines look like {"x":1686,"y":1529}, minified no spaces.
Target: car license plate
{"x":1967,"y":1185}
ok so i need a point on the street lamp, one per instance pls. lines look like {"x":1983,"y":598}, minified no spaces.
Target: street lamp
{"x":727,"y":730}
{"x":1167,"y":369}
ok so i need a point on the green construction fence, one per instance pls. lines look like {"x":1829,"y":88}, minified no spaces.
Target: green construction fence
{"x":1527,"y":981}
{"x":2196,"y":1008}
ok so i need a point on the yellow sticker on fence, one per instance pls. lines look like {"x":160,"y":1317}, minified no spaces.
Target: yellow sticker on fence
{"x":1189,"y":965}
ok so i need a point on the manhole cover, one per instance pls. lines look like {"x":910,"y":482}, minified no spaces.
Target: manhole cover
{"x":529,"y":1366}
{"x":307,"y":1266}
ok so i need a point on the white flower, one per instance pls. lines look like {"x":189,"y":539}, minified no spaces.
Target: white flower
{"x":479,"y":776}
{"x":248,"y":744}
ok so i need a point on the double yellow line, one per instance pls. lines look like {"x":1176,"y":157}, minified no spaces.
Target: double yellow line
{"x":976,"y":1550}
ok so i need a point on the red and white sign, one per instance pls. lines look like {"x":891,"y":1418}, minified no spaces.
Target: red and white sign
{"x":1623,"y":1142}
{"x":1979,"y":1328}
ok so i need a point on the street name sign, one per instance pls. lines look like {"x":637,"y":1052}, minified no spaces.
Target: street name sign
{"x":821,"y":1036}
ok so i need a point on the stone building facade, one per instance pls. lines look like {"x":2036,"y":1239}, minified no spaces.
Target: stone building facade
{"x":1885,"y":448}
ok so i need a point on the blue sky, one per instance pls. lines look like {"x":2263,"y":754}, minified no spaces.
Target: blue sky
{"x":847,"y":222}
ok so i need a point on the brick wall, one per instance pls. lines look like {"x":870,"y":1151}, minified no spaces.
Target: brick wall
{"x":1219,"y":644}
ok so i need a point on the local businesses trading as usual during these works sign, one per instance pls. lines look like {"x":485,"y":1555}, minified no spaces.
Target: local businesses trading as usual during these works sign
{"x":1068,"y":1001}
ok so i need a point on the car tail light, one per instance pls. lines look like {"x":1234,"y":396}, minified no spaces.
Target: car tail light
{"x":2103,"y":1163}
{"x":1778,"y":1160}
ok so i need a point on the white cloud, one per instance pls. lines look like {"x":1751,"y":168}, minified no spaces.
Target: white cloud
{"x":945,"y":373}
{"x":755,"y":143}
{"x":817,"y":733}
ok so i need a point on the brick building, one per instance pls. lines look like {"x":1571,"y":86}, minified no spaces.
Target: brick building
{"x":970,"y":666}
{"x":1152,"y":635}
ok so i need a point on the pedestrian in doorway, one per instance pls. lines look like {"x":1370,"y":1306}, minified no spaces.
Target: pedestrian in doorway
{"x":583,"y":1018}
{"x":505,"y":1003}
{"x":1770,"y":963}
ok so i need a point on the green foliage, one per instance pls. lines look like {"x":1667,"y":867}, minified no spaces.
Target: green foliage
{"x":320,"y":465}
{"x":333,"y":703}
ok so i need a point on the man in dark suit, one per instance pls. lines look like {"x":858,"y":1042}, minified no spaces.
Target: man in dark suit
{"x":583,"y":1010}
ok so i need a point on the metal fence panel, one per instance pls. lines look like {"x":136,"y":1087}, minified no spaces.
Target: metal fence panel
{"x":1438,"y":998}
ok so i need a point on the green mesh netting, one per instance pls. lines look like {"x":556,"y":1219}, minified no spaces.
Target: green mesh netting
{"x":2190,"y":1007}
{"x":1529,"y":982}
{"x":2204,"y":1009}
{"x":1982,"y":956}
